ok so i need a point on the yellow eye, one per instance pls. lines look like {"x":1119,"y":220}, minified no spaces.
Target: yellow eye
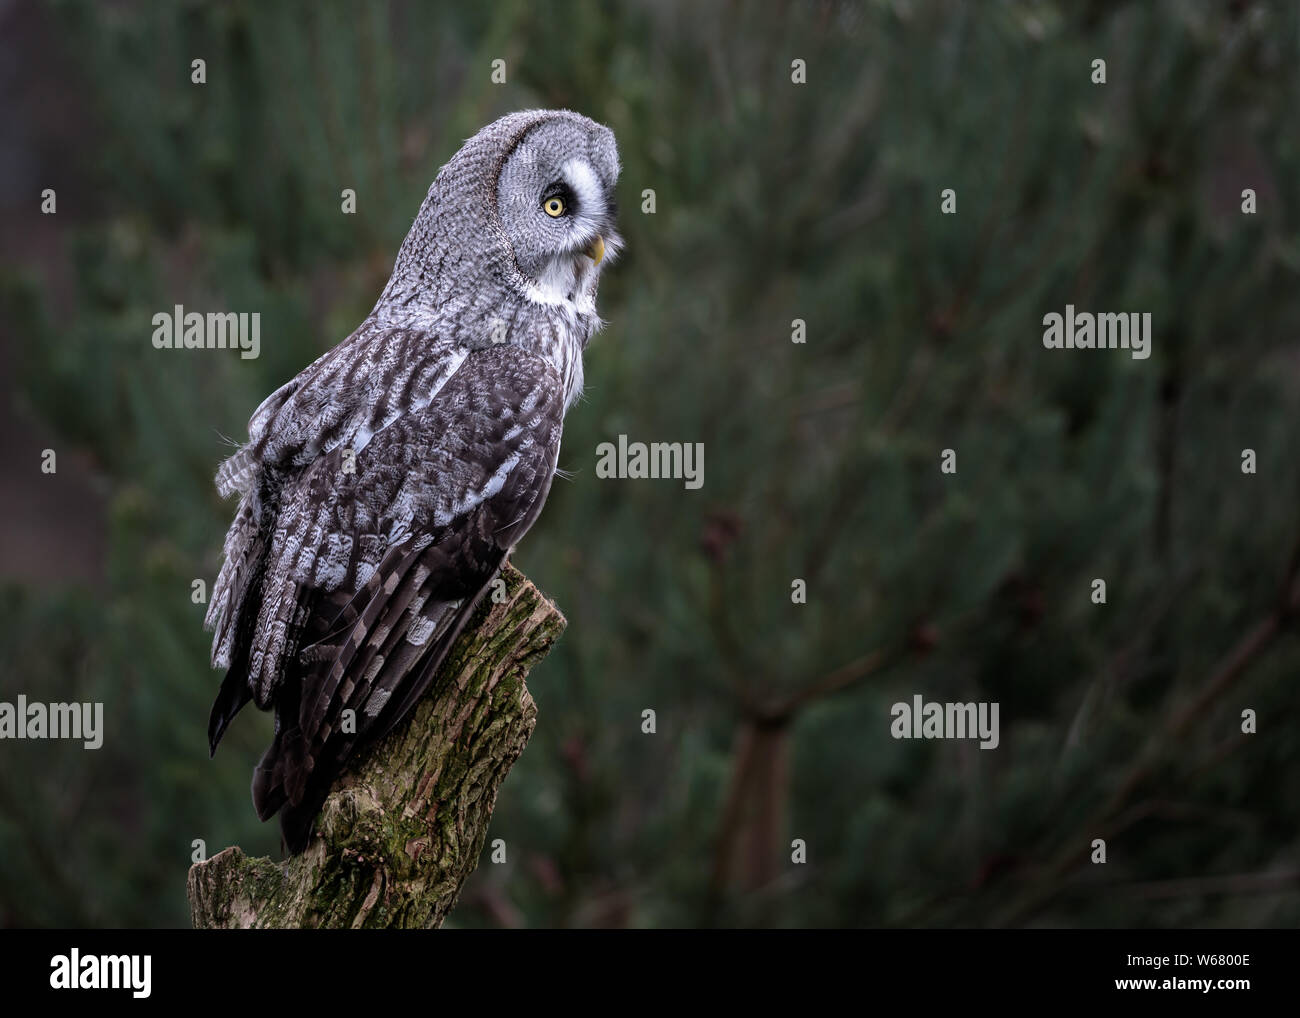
{"x":553,"y":207}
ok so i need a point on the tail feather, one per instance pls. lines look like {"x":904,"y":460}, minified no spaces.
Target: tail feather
{"x":234,"y":694}
{"x":295,"y":776}
{"x":268,"y":788}
{"x":298,"y":821}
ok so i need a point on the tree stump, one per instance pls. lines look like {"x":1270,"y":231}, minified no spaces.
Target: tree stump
{"x":405,"y":824}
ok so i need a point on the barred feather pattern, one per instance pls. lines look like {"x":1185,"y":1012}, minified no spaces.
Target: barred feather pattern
{"x":381,"y":489}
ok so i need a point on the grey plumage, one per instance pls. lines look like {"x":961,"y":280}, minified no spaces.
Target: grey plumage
{"x":381,"y":489}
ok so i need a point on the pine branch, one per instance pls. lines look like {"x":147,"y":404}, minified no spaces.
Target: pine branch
{"x":405,"y":825}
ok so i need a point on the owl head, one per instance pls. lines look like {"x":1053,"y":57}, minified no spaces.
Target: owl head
{"x":555,"y":200}
{"x":520,"y":221}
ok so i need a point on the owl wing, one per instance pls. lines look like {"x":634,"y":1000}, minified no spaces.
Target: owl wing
{"x":347,"y":395}
{"x":378,"y":556}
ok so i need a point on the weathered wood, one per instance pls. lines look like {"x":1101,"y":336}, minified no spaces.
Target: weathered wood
{"x":405,"y":825}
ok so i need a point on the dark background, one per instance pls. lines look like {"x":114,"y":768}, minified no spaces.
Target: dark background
{"x":775,"y":201}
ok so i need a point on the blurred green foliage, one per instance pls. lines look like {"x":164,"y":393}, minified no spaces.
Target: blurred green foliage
{"x":774,"y":202}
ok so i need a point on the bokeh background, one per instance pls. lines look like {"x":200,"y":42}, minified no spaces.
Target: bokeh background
{"x":775,"y":201}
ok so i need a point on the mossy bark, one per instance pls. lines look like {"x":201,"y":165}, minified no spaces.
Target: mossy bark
{"x":405,"y":826}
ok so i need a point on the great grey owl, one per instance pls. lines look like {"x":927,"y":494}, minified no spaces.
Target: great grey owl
{"x":382,"y":488}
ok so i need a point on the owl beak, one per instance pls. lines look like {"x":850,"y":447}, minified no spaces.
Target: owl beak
{"x":596,"y":249}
